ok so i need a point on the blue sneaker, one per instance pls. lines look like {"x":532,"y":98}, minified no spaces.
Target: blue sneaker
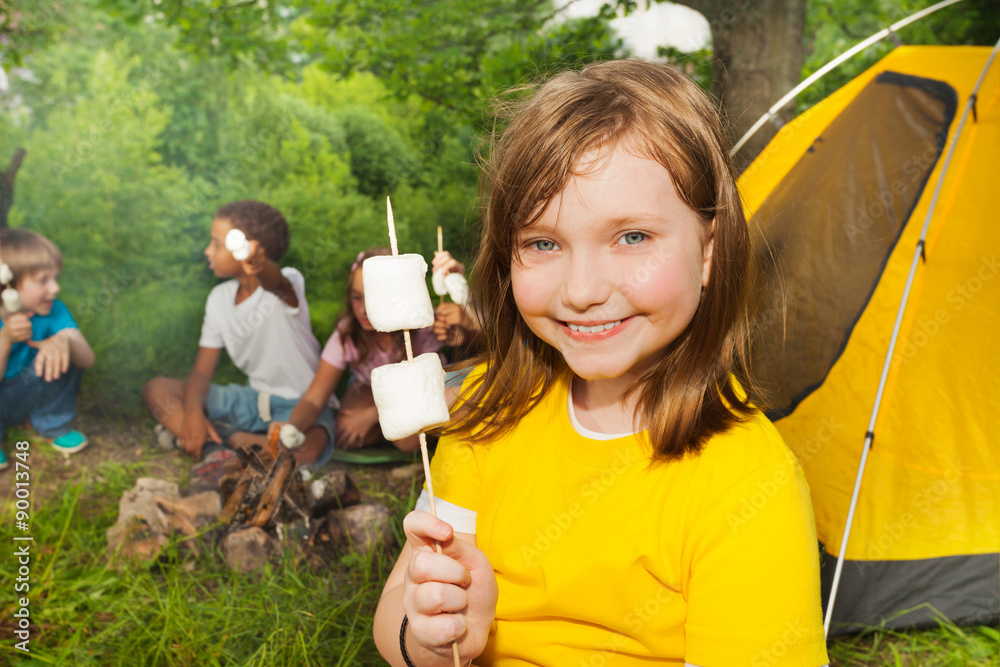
{"x":70,"y":443}
{"x":3,"y":461}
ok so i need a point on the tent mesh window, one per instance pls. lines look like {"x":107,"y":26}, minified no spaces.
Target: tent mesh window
{"x":832,"y":223}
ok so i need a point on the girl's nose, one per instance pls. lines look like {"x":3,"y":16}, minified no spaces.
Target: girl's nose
{"x":587,"y":283}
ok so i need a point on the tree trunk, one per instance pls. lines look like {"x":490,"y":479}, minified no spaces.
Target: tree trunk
{"x":7,"y":186}
{"x":759,"y":51}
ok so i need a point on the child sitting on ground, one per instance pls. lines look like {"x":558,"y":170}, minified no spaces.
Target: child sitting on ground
{"x":42,"y":352}
{"x":261,"y":317}
{"x":355,"y":343}
{"x":592,"y":484}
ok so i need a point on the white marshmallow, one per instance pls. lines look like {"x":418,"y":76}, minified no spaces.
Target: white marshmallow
{"x":291,"y":437}
{"x":396,"y":294}
{"x":6,"y":275}
{"x":236,"y":243}
{"x":410,"y":397}
{"x":11,"y":300}
{"x":438,"y":283}
{"x":458,"y":288}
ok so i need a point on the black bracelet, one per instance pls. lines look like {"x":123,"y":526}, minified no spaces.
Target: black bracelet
{"x":402,"y":642}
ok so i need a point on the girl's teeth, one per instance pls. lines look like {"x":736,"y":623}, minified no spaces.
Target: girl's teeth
{"x":594,"y":329}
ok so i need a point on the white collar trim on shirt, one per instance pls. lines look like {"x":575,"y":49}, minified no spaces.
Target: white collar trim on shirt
{"x":583,"y":430}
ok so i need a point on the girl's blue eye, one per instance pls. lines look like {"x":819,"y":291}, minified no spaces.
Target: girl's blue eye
{"x":544,"y":245}
{"x":633,"y":238}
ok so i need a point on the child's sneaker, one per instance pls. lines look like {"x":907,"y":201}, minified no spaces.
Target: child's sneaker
{"x":164,"y":439}
{"x":70,"y":443}
{"x":3,"y":461}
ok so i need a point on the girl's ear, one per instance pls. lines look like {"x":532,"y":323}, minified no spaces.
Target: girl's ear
{"x":706,"y":263}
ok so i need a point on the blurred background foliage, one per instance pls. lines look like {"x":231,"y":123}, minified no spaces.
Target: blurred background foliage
{"x":141,"y":117}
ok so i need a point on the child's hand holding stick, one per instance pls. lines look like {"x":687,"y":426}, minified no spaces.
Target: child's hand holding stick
{"x":450,"y":579}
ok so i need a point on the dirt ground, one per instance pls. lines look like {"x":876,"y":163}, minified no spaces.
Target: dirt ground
{"x":131,"y":446}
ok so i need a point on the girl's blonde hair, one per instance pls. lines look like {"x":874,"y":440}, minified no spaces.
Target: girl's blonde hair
{"x":27,"y":252}
{"x":660,"y":114}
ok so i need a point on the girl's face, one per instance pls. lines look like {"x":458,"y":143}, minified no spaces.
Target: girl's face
{"x":612,"y":272}
{"x":221,"y":261}
{"x":357,"y":297}
{"x":38,"y":291}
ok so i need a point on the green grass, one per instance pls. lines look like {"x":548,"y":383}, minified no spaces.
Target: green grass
{"x":181,"y":610}
{"x":186,"y":610}
{"x":944,"y":646}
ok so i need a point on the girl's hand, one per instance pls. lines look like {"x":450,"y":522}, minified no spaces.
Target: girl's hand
{"x":197,"y":429}
{"x":16,"y":329}
{"x":353,"y":424}
{"x":449,"y":320}
{"x":443,"y":261}
{"x":52,"y":359}
{"x":254,"y":264}
{"x":446,"y":597}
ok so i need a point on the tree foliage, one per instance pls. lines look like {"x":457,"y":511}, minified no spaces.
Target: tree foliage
{"x":133,"y":141}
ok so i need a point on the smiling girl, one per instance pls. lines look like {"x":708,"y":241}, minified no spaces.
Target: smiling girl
{"x":607,"y":493}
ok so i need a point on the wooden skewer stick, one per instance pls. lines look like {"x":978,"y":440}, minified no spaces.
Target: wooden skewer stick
{"x":422,"y":437}
{"x":440,"y":249}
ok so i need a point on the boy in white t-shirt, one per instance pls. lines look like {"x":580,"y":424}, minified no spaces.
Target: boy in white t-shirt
{"x":262,"y":319}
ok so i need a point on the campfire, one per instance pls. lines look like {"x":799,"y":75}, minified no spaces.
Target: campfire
{"x":263,"y":500}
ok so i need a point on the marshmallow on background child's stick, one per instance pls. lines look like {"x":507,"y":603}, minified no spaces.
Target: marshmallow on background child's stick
{"x":457,"y":287}
{"x":6,"y":275}
{"x":439,"y":283}
{"x":11,"y":300}
{"x":396,"y":292}
{"x":410,"y":397}
{"x":236,"y":243}
{"x":291,"y":436}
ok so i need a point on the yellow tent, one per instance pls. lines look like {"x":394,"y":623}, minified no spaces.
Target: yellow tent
{"x":841,"y":196}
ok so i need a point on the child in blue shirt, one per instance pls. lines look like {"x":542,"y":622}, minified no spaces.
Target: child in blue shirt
{"x":42,"y":352}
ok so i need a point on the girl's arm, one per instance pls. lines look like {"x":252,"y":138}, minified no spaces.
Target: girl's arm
{"x":445,"y":597}
{"x":306,"y":411}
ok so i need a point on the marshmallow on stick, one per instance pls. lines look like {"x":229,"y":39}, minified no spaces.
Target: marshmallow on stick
{"x":396,"y":292}
{"x":11,"y":300}
{"x":453,"y":284}
{"x":409,"y":395}
{"x":236,"y":243}
{"x":10,"y":297}
{"x":291,"y":436}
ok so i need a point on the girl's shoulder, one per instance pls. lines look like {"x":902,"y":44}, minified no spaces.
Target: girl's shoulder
{"x":750,"y":450}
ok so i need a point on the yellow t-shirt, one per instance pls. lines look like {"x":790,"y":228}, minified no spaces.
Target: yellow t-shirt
{"x":602,"y":560}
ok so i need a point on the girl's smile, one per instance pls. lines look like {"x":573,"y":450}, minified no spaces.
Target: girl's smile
{"x":594,"y":331}
{"x":612,"y":271}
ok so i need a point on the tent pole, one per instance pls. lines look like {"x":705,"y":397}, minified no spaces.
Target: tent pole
{"x":860,"y":46}
{"x":917,"y":254}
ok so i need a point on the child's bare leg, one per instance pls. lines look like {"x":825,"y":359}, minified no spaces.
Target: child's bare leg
{"x":309,"y":452}
{"x":165,"y":398}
